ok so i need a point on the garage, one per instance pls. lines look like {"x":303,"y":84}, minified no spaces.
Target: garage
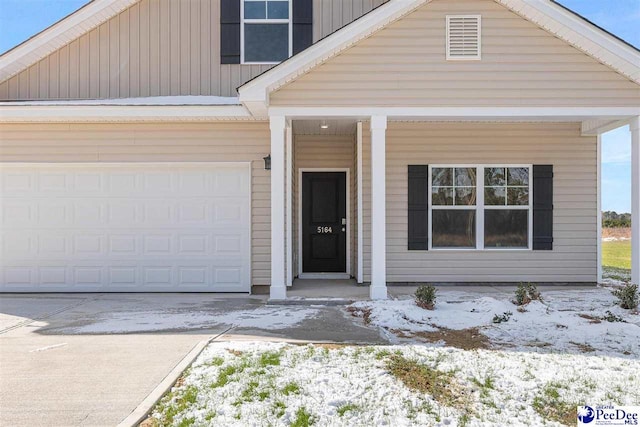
{"x":126,"y":227}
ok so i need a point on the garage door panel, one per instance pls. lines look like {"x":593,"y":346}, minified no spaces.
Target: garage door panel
{"x":112,"y":228}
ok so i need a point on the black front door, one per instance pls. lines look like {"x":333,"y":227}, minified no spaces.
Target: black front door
{"x":324,"y":222}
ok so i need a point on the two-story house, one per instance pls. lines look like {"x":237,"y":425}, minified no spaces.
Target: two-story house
{"x":225,"y":145}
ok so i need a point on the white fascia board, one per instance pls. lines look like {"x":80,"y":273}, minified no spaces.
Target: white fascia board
{"x":465,"y":113}
{"x":580,"y":33}
{"x":598,"y":127}
{"x":102,"y":113}
{"x":59,"y":34}
{"x":258,"y":89}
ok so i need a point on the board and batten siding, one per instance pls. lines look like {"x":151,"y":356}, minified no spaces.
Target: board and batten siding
{"x":325,"y":151}
{"x":405,"y":64}
{"x":574,"y":254}
{"x":156,"y":48}
{"x":158,"y":142}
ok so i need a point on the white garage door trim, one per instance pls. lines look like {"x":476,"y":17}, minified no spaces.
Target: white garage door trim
{"x":186,"y":214}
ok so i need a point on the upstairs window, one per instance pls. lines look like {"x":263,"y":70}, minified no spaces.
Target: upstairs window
{"x":464,"y":34}
{"x":266,"y":31}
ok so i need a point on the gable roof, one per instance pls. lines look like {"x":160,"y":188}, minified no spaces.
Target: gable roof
{"x":547,"y":14}
{"x":59,"y":34}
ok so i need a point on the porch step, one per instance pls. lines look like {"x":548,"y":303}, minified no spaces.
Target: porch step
{"x":328,"y":302}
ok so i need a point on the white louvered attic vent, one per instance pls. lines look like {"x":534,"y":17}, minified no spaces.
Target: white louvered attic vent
{"x":464,"y":37}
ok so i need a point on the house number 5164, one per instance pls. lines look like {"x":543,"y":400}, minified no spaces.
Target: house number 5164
{"x":325,"y":230}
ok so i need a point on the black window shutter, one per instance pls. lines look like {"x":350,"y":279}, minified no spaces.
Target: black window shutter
{"x":230,"y":31}
{"x":542,"y":207}
{"x":418,"y":207}
{"x":302,"y":25}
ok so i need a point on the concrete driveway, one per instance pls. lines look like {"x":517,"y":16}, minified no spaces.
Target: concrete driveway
{"x":90,"y":359}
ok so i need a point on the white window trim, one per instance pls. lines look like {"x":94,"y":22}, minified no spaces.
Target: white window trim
{"x":480,"y":207}
{"x":478,"y":57}
{"x":264,"y":21}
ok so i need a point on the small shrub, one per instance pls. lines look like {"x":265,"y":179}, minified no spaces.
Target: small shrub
{"x":525,"y":293}
{"x":610,"y":317}
{"x":504,"y":317}
{"x":426,"y":297}
{"x":627,"y":296}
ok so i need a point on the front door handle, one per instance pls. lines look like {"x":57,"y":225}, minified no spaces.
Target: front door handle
{"x":344,"y":221}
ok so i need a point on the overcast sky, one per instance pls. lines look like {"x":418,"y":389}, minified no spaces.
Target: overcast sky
{"x":21,"y":19}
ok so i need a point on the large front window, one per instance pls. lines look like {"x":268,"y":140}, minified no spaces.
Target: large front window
{"x":480,"y":207}
{"x":266,"y":31}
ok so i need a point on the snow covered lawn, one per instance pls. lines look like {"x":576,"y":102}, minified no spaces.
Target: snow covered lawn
{"x":256,"y":384}
{"x":565,"y":321}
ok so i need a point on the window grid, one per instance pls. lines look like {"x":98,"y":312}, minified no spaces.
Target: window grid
{"x":454,"y":186}
{"x":480,"y":207}
{"x":265,"y":20}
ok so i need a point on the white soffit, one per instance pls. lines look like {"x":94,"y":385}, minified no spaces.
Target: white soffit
{"x":59,"y":34}
{"x":67,"y":113}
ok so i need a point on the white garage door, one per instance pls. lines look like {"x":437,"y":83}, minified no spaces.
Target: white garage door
{"x":125,"y":227}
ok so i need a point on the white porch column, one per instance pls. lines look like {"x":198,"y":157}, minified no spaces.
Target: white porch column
{"x":289,"y":203}
{"x":635,"y":200}
{"x":378,"y":289}
{"x":278,"y":289}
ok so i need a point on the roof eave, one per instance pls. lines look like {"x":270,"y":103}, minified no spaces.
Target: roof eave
{"x":59,"y":34}
{"x":121,"y":114}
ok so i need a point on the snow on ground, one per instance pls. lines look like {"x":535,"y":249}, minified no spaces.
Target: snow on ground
{"x":615,"y":239}
{"x":613,"y":276}
{"x":553,"y":325}
{"x":251,"y":384}
{"x":157,"y":320}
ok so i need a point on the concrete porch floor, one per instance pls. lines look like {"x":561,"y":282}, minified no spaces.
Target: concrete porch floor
{"x":349,"y":289}
{"x":339,"y":289}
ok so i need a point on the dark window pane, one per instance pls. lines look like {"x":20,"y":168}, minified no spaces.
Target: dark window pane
{"x":505,"y":228}
{"x":465,"y":196}
{"x":518,"y":196}
{"x":255,"y":10}
{"x":494,"y":196}
{"x":453,"y":228}
{"x":266,"y":42}
{"x":517,"y":176}
{"x":442,"y":196}
{"x":278,"y":10}
{"x":466,"y":177}
{"x":442,"y":177}
{"x":494,"y":176}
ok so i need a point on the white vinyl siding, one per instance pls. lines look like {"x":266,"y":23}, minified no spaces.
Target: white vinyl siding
{"x":574,"y":254}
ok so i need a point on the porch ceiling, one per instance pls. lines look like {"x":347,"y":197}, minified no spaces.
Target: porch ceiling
{"x":333,"y":127}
